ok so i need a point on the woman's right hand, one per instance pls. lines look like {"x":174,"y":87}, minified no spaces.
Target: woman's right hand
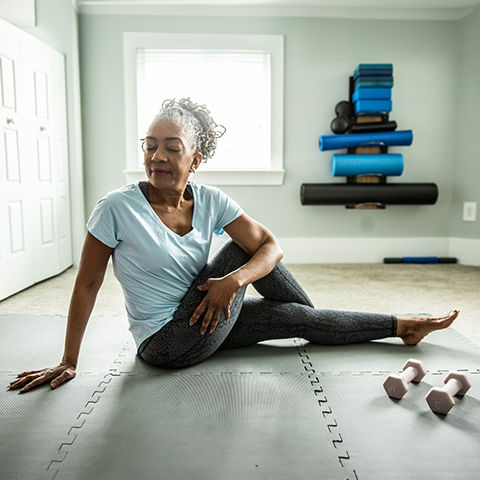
{"x":55,"y":375}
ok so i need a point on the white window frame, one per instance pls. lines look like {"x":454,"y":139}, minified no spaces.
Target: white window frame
{"x":273,"y":44}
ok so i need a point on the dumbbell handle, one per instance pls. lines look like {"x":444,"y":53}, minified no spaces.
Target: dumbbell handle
{"x":409,"y":374}
{"x":453,"y":386}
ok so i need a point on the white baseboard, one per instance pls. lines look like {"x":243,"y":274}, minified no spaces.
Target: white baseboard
{"x":360,"y":250}
{"x":467,"y":250}
{"x":372,"y":250}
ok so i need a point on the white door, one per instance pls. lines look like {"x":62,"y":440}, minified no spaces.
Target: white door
{"x":15,"y":243}
{"x":35,"y":232}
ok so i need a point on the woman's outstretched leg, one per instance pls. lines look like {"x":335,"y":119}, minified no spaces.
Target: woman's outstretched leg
{"x":262,"y":319}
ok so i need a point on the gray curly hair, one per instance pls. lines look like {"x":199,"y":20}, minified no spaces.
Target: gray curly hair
{"x":196,"y":121}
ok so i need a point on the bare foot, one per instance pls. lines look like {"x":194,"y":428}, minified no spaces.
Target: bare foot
{"x":412,"y":329}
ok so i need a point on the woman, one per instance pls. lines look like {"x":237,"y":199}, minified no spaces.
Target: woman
{"x":181,"y":309}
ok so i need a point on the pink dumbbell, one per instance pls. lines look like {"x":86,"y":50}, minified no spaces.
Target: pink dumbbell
{"x":440,"y":400}
{"x":396,"y":386}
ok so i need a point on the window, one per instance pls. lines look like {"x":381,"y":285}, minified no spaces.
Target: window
{"x":238,"y":77}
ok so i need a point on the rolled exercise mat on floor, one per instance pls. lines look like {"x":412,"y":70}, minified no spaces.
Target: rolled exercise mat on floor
{"x":337,"y":142}
{"x":420,"y":260}
{"x":388,"y":193}
{"x":385,"y":164}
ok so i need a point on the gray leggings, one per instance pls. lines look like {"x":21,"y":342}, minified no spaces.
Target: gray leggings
{"x":285,"y":311}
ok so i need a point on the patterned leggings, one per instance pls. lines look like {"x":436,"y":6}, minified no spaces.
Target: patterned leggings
{"x":285,"y":311}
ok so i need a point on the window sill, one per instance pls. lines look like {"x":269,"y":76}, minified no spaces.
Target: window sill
{"x":218,"y":177}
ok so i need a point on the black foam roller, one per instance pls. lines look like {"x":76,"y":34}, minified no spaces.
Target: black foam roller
{"x":388,"y":193}
{"x":373,"y":127}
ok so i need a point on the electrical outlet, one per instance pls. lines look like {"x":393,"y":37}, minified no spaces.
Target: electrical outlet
{"x":469,"y":211}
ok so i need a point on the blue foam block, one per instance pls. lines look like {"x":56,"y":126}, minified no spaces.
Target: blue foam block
{"x":347,"y":140}
{"x":358,"y":164}
{"x":372,"y":94}
{"x":373,"y":106}
{"x":373,"y":84}
{"x":373,"y":66}
{"x":374,"y":78}
{"x":371,"y":72}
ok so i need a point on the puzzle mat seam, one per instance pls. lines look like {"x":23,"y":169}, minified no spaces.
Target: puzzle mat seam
{"x":331,"y":423}
{"x":54,"y":465}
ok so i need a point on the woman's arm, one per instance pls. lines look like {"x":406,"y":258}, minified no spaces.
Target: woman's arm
{"x":90,"y":276}
{"x":265,"y":251}
{"x":91,"y":272}
{"x":259,"y":242}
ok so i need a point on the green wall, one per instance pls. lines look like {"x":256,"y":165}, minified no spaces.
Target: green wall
{"x":320,"y":54}
{"x":466,"y":161}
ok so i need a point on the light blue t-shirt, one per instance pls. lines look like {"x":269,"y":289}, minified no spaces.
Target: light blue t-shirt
{"x":154,"y":265}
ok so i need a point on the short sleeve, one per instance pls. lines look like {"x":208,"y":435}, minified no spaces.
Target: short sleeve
{"x":227,"y":210}
{"x":103,"y":225}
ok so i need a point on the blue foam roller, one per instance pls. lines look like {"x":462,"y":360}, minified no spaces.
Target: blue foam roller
{"x":344,"y":165}
{"x":372,"y":106}
{"x":419,"y":259}
{"x":347,"y":140}
{"x":372,"y":94}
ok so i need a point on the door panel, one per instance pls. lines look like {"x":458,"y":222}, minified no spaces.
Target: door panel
{"x":35,"y":232}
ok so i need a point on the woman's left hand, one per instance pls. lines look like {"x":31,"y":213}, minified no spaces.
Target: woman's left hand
{"x":219,"y":298}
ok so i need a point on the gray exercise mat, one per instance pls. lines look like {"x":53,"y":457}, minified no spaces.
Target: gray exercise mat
{"x":206,"y":426}
{"x":278,"y":409}
{"x":37,"y":426}
{"x":33,"y":342}
{"x":404,"y":439}
{"x":441,"y":350}
{"x":280,"y":356}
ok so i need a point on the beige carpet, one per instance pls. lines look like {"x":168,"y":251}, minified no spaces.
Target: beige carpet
{"x":432,"y":289}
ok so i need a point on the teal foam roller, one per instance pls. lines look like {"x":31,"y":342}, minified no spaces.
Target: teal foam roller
{"x":347,"y":140}
{"x":344,"y":165}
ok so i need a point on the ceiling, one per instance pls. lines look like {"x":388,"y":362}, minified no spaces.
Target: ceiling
{"x":297,"y":3}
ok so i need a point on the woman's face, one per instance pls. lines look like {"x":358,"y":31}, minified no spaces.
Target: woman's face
{"x":169,"y":155}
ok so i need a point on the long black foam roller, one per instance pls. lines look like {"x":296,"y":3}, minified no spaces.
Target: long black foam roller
{"x":349,"y":193}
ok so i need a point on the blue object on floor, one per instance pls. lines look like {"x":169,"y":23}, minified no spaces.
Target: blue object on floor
{"x":346,"y":140}
{"x":359,"y":164}
{"x":372,"y":94}
{"x":373,"y":106}
{"x":420,"y":260}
